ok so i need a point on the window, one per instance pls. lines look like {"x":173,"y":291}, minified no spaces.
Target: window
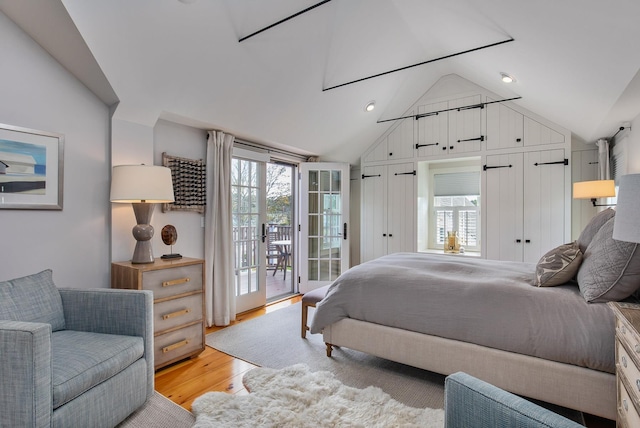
{"x":456,"y":207}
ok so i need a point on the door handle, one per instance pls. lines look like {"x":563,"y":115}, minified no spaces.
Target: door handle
{"x":264,"y":233}
{"x":344,"y":231}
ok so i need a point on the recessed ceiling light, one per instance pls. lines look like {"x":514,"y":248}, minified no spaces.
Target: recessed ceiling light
{"x":370,"y":106}
{"x":507,"y":78}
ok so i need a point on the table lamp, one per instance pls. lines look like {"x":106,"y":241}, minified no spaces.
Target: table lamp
{"x":626,"y":226}
{"x":593,"y":190}
{"x":143,"y":186}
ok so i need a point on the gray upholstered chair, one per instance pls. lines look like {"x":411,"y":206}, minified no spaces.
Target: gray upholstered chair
{"x":73,"y":357}
{"x":470,"y":402}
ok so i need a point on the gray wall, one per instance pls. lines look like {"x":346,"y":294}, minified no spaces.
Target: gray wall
{"x":38,"y":93}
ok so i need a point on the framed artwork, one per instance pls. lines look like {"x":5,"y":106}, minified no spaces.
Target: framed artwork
{"x":31,"y":169}
{"x":189,"y":184}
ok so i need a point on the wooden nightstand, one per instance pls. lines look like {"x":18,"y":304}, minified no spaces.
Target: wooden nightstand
{"x":627,"y":363}
{"x":178,"y":297}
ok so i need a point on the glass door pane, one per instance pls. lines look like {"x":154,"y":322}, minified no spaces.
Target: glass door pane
{"x":247,"y":192}
{"x":324,"y":246}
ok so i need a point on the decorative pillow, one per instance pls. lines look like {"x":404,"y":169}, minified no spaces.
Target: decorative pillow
{"x":558,"y":265}
{"x":32,"y":298}
{"x":590,"y":230}
{"x":610,"y":269}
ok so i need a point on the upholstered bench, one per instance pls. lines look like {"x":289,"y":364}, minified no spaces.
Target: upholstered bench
{"x":311,"y":299}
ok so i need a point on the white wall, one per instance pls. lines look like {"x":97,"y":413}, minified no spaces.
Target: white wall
{"x":186,"y":142}
{"x":634,"y":147}
{"x":38,"y":93}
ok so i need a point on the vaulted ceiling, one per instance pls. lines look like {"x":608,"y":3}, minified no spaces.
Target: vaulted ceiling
{"x":182,"y":60}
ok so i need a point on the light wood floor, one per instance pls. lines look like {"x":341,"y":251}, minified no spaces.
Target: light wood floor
{"x":216,"y":371}
{"x":212,"y":370}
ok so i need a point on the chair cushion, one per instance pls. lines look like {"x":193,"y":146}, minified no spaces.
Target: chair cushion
{"x":32,"y":298}
{"x":82,"y":360}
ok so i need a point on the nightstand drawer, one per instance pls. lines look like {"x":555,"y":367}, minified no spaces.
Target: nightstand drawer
{"x":626,"y":410}
{"x":626,"y":334}
{"x":173,"y":313}
{"x":173,"y":281}
{"x":178,"y":344}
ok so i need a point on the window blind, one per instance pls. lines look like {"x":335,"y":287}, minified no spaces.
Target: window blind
{"x":456,"y":184}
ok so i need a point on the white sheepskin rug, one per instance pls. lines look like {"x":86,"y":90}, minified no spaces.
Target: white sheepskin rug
{"x":297,"y":397}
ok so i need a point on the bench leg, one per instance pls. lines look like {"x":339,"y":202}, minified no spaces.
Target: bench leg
{"x":329,"y":349}
{"x":305,"y":309}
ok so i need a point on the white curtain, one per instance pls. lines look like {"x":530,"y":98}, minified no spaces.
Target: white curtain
{"x":603,"y":159}
{"x":218,"y":242}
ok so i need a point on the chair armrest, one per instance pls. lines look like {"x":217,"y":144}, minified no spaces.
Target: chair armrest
{"x":471,"y":402}
{"x":112,"y":311}
{"x":25,"y":370}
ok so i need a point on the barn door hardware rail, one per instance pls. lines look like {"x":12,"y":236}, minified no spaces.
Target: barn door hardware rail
{"x":284,"y":20}
{"x":426,"y":145}
{"x":480,"y":138}
{"x":406,"y":173}
{"x":484,"y":168}
{"x":562,"y":162}
{"x":367,"y":176}
{"x":420,"y":63}
{"x":434,"y":113}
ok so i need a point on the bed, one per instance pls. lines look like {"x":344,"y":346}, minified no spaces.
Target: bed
{"x":448,"y":313}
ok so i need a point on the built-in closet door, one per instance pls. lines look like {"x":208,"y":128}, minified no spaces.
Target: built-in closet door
{"x":465,"y":125}
{"x":401,"y":208}
{"x":544,"y":202}
{"x":525,"y":204}
{"x":505,"y":127}
{"x":503,"y":202}
{"x":433,"y":132}
{"x":388,"y":210}
{"x":373,"y":218}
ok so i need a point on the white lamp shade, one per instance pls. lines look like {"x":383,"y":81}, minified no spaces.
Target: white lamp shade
{"x":594,"y":189}
{"x":141,"y":183}
{"x":626,"y":226}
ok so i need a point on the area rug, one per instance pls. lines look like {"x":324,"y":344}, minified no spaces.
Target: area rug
{"x":159,"y":412}
{"x":297,"y":397}
{"x":273,"y":340}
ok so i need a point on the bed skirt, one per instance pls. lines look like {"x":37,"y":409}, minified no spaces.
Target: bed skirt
{"x":578,"y":388}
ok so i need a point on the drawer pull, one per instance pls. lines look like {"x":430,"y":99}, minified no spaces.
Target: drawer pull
{"x":637,"y":348}
{"x":624,"y":361}
{"x":624,"y":330}
{"x":176,"y":314}
{"x":638,"y":384}
{"x":176,"y":282}
{"x":175,"y":346}
{"x":625,"y":405}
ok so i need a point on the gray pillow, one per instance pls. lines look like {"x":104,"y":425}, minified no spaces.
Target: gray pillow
{"x":610,"y":269}
{"x":558,"y":265}
{"x":590,"y":230}
{"x":32,"y":298}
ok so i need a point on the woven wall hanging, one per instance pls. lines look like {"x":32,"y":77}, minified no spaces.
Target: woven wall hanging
{"x":189,"y":184}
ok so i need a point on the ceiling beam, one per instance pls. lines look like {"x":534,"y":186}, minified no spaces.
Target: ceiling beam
{"x":420,"y":63}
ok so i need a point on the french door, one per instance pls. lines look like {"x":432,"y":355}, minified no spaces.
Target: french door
{"x":324,"y":223}
{"x":248,"y":216}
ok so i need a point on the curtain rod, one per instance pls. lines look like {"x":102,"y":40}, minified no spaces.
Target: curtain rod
{"x":622,"y":128}
{"x":434,"y":113}
{"x":284,"y":20}
{"x":418,"y":64}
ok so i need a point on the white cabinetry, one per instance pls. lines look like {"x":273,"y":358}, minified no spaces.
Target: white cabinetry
{"x":465,"y":125}
{"x":398,"y":144}
{"x":388,"y":210}
{"x":525,"y":201}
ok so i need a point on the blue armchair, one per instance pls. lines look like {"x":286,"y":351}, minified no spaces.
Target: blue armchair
{"x":470,"y":402}
{"x":73,"y":357}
